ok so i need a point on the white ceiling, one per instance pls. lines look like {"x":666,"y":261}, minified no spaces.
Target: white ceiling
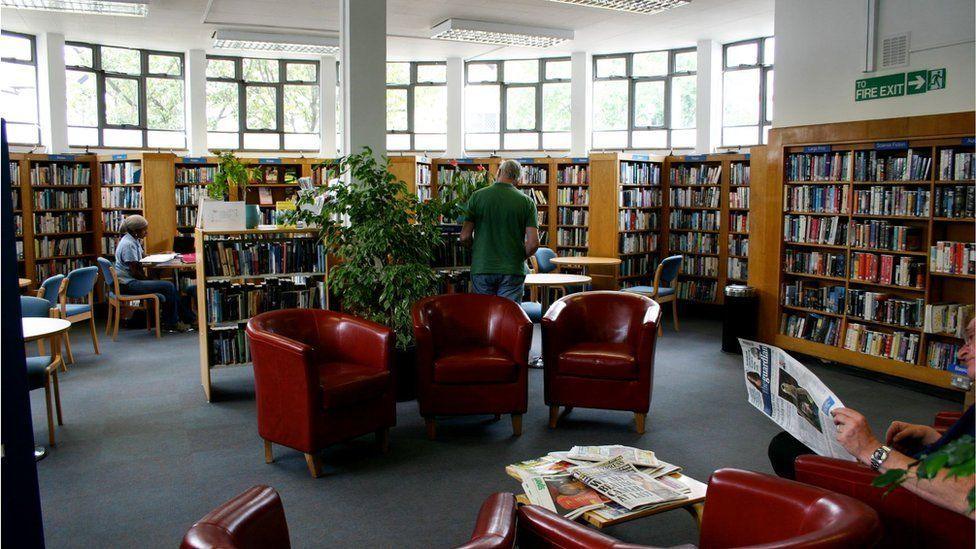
{"x":185,"y":24}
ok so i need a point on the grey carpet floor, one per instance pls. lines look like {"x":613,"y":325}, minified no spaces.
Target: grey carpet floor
{"x":142,"y":455}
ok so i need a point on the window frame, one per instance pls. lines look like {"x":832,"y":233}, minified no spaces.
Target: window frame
{"x":764,"y":69}
{"x":143,"y":118}
{"x":278,"y":86}
{"x":633,"y":80}
{"x":499,"y":81}
{"x":411,"y":88}
{"x":32,"y":63}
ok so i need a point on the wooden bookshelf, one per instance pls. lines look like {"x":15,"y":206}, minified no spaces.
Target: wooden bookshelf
{"x":192,"y":175}
{"x":571,"y":193}
{"x":441,"y":167}
{"x":888,"y":141}
{"x":276,"y":180}
{"x":137,"y":183}
{"x":538,"y":177}
{"x":23,"y":225}
{"x":415,"y":171}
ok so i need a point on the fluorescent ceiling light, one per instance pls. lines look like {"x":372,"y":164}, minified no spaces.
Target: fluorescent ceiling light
{"x":633,"y":6}
{"x":134,"y":8}
{"x":264,"y":41}
{"x":503,"y":34}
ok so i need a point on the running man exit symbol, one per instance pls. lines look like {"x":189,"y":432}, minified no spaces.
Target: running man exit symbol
{"x":937,"y":79}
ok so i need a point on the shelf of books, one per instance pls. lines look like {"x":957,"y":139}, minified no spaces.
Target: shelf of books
{"x":18,"y":198}
{"x":137,"y":183}
{"x":276,"y":180}
{"x":243,"y":273}
{"x":193,"y":174}
{"x":446,"y":169}
{"x":535,"y":183}
{"x":572,"y":201}
{"x":415,"y":171}
{"x":879,"y":262}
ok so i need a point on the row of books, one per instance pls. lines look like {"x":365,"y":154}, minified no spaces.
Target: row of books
{"x":706,"y":243}
{"x":638,"y":243}
{"x":235,"y":257}
{"x":815,"y":263}
{"x":940,"y":355}
{"x":195,"y":174}
{"x":121,"y":173}
{"x":885,"y":200}
{"x":738,"y":269}
{"x":816,"y":198}
{"x":640,"y":173}
{"x":897,"y":345}
{"x":955,"y":166}
{"x":186,"y":217}
{"x":818,"y":167}
{"x":640,"y":265}
{"x":882,"y":307}
{"x":685,"y":174}
{"x":884,"y":235}
{"x":696,"y":198}
{"x":808,"y":229}
{"x":534,"y":175}
{"x":423,"y":174}
{"x":109,"y":244}
{"x":189,"y":196}
{"x":698,"y":220}
{"x":541,"y":217}
{"x":870,"y":166}
{"x":739,"y":197}
{"x":640,"y":198}
{"x":572,"y":216}
{"x":60,"y":222}
{"x":802,"y":293}
{"x":739,"y":173}
{"x":699,"y":265}
{"x":953,"y":257}
{"x":697,"y":290}
{"x":573,"y":175}
{"x":233,"y":302}
{"x":947,"y":318}
{"x":229,"y":347}
{"x":15,"y":198}
{"x":955,"y":201}
{"x":636,"y":220}
{"x":739,"y":222}
{"x":18,"y":225}
{"x":14,"y":169}
{"x":572,"y":237}
{"x":577,"y":196}
{"x":811,"y":327}
{"x":738,"y":245}
{"x":112,"y":221}
{"x":49,"y":199}
{"x":47,"y":269}
{"x":425,"y":192}
{"x":537,"y":196}
{"x":908,"y":272}
{"x":54,"y":247}
{"x":61,"y":174}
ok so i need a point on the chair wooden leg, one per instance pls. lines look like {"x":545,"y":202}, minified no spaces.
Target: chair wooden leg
{"x":383,"y":439}
{"x":314,"y":463}
{"x":67,"y":348}
{"x":431,"y":428}
{"x":57,"y":395}
{"x":639,"y":421}
{"x":517,"y":424}
{"x":115,"y":332}
{"x":553,"y":416}
{"x":108,"y":320}
{"x":148,"y":320}
{"x":158,"y":333}
{"x":94,"y":333}
{"x":674,"y":314}
{"x":47,"y":403}
{"x":660,"y":329}
{"x":268,"y":452}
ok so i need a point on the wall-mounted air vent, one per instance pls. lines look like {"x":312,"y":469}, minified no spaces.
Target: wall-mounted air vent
{"x":894,"y":50}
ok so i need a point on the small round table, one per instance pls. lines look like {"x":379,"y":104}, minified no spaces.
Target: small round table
{"x":545,"y":281}
{"x":36,"y":328}
{"x":24,"y":282}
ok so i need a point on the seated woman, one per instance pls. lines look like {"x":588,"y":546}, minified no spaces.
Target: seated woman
{"x":904,"y":443}
{"x":133,"y":279}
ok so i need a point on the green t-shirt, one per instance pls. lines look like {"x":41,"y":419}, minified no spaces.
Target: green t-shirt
{"x":500,"y":214}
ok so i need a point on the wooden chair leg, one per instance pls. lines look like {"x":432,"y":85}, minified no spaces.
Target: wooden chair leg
{"x":431,"y":428}
{"x":148,"y":325}
{"x":660,"y":329}
{"x":517,"y":424}
{"x":67,"y":348}
{"x":108,"y":320}
{"x":314,"y":463}
{"x":268,"y":452}
{"x":94,"y":333}
{"x":674,"y":314}
{"x":47,"y":403}
{"x":383,"y":439}
{"x":115,"y":332}
{"x":57,"y":395}
{"x":158,"y":333}
{"x":639,"y":420}
{"x":553,"y":416}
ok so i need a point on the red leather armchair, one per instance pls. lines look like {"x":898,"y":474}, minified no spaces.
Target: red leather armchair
{"x":742,"y":509}
{"x":495,"y":528}
{"x":320,"y":377}
{"x":472,"y":357}
{"x":253,"y":520}
{"x":599,"y":353}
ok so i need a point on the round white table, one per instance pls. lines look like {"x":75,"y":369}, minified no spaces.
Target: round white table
{"x":36,"y":328}
{"x":545,"y":281}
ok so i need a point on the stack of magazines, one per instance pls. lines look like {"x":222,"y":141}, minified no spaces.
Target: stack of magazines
{"x":613,"y":481}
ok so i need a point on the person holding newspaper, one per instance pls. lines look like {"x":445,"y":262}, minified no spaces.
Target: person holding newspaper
{"x":904,"y":443}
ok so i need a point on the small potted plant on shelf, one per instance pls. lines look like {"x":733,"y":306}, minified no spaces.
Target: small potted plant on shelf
{"x":384,"y":241}
{"x":231,"y":181}
{"x":455,"y":192}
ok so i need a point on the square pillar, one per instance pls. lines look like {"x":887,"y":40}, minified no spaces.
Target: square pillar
{"x":52,"y":94}
{"x":195,"y":87}
{"x":581,"y":101}
{"x":362,"y":30}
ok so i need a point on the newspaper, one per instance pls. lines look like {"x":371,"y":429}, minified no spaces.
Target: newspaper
{"x":622,"y":483}
{"x":614,"y":511}
{"x":790,"y":395}
{"x":546,"y":465}
{"x":634,"y":456}
{"x":562,"y":494}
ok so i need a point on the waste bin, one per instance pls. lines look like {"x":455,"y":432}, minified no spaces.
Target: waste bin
{"x":740,"y":316}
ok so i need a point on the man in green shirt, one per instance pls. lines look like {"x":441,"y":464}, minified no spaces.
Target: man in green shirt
{"x":501,"y":222}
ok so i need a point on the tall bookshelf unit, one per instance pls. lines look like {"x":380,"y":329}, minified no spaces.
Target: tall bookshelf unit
{"x":18,"y":198}
{"x":572,"y":216}
{"x":193,"y":174}
{"x":536,"y":183}
{"x":139,"y":183}
{"x":415,"y":171}
{"x":860,"y":232}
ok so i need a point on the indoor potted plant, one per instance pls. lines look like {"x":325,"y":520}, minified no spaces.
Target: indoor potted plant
{"x":231,"y":181}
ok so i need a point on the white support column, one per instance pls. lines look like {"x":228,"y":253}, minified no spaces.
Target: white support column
{"x":581,"y":103}
{"x":327,"y":102}
{"x":52,"y":95}
{"x":196,"y":102}
{"x":709,"y":106}
{"x":362,"y":30}
{"x":455,"y":107}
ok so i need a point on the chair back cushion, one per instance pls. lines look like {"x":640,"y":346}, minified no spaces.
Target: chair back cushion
{"x":81,"y":282}
{"x":543,"y":257}
{"x":254,"y":519}
{"x":462,"y":321}
{"x":105,"y":266}
{"x":51,"y":287}
{"x":601,"y":316}
{"x":744,"y":508}
{"x":34,"y":307}
{"x":669,"y":269}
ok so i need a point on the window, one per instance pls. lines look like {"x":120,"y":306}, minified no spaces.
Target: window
{"x":517,"y":104}
{"x":747,"y":97}
{"x":122,"y":97}
{"x":416,"y":106}
{"x":262,"y":104}
{"x":645,"y":100}
{"x":19,"y":105}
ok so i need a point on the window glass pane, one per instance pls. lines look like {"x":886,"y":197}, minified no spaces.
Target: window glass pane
{"x":649,"y":104}
{"x":520,"y":108}
{"x":432,"y":73}
{"x":22,"y":133}
{"x":650,"y":139}
{"x":77,"y":56}
{"x":396,"y":110}
{"x":522,"y":141}
{"x":301,"y":109}
{"x":261,"y":141}
{"x":19,"y":89}
{"x":398,"y":141}
{"x":683,"y":139}
{"x":82,"y":103}
{"x":260,"y":70}
{"x":610,"y":140}
{"x":164,"y":104}
{"x":430,"y":142}
{"x":168,"y":140}
{"x":742,"y":54}
{"x":220,"y":68}
{"x":611,"y":66}
{"x":769,"y":47}
{"x":654,"y":63}
{"x":559,"y":70}
{"x":482,"y":106}
{"x":164,"y":64}
{"x":222,"y":140}
{"x":684,"y":97}
{"x":556,"y":141}
{"x":82,"y":136}
{"x":741,"y":98}
{"x":686,"y":61}
{"x":430,"y":109}
{"x":769,"y":95}
{"x":222,"y":107}
{"x":746,"y":135}
{"x":481,"y":141}
{"x":398,"y":73}
{"x":112,"y":137}
{"x":300,"y":72}
{"x":260,"y":103}
{"x":15,"y":47}
{"x":302,"y":141}
{"x":522,"y":71}
{"x":482,"y":72}
{"x":121,"y":101}
{"x":121,"y":60}
{"x":610,"y":105}
{"x":556,"y":112}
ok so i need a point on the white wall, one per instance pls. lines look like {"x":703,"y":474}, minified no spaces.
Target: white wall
{"x":820,"y":53}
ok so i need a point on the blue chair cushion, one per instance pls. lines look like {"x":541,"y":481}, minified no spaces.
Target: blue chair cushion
{"x":649,"y":290}
{"x":73,"y":309}
{"x":36,"y":370}
{"x":533,"y":310}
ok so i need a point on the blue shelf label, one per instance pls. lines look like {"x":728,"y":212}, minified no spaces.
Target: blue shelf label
{"x":817,"y":149}
{"x":464,"y":160}
{"x":61,"y":157}
{"x":119,"y":156}
{"x":269,"y":161}
{"x":969,"y":141}
{"x":641,"y":157}
{"x":580,"y":160}
{"x":891,"y":145}
{"x":694,"y":157}
{"x":194,"y":159}
{"x":525,"y":160}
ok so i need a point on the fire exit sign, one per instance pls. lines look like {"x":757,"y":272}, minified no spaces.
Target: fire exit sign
{"x":899,"y":84}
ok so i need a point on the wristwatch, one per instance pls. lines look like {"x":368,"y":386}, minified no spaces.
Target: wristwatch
{"x":879,"y":456}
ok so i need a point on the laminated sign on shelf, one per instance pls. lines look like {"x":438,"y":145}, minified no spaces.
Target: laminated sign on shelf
{"x":217,"y":215}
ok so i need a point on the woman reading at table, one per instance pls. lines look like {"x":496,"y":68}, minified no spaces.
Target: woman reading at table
{"x":134,"y":280}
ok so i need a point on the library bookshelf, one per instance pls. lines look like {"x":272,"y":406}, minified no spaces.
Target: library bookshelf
{"x":192,"y":175}
{"x":242,"y":273}
{"x":137,"y":183}
{"x":443,"y":169}
{"x":852,"y":211}
{"x":277,"y":180}
{"x":415,"y":171}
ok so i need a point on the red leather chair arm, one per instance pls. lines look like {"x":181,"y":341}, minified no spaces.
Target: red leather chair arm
{"x":253,"y":519}
{"x":539,"y":527}
{"x":647,"y":338}
{"x":557,"y":334}
{"x":514,"y":335}
{"x":425,"y":353}
{"x":495,"y":528}
{"x":366,"y":343}
{"x":944,"y":420}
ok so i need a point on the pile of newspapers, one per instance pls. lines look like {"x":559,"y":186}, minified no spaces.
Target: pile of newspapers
{"x":612,"y":481}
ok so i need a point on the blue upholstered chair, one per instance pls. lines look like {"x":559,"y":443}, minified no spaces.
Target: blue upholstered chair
{"x":664,"y":288}
{"x":118,"y":303}
{"x":42,"y":371}
{"x":51,"y":289}
{"x":540,"y":262}
{"x":76,"y":302}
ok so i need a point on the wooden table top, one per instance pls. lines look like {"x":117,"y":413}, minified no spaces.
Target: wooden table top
{"x":555,"y":279}
{"x":40,"y":327}
{"x":24,"y":282}
{"x":585,"y":260}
